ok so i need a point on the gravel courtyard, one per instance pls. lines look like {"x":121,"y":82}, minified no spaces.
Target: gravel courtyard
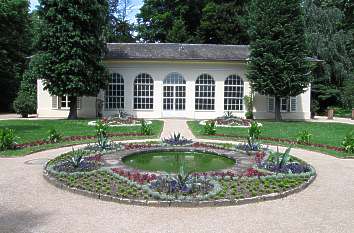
{"x":29,"y":204}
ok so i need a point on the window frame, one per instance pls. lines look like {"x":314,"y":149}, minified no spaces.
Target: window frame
{"x":119,"y":89}
{"x":64,"y":99}
{"x":289,"y":101}
{"x":239,"y":85}
{"x":204,"y":93}
{"x":146,"y":100}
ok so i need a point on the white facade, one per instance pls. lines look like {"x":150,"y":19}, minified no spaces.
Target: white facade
{"x":219,"y":71}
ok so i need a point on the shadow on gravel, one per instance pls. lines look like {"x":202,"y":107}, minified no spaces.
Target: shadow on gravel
{"x":19,"y":221}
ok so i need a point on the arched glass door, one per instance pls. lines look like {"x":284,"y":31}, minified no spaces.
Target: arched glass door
{"x":174,"y":95}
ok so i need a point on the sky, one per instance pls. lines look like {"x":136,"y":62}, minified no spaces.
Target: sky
{"x":133,"y":8}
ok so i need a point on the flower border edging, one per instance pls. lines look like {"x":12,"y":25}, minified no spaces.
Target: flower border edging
{"x":179,"y":203}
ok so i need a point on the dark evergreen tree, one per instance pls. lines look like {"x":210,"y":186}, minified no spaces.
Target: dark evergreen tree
{"x":277,"y":62}
{"x":224,"y":22}
{"x":194,"y":21}
{"x":14,"y":47}
{"x":71,"y":48}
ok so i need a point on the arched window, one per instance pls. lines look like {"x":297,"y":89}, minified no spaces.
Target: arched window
{"x":205,"y":93}
{"x":143,"y":92}
{"x":114,"y":96}
{"x":174,"y":92}
{"x":233,"y":93}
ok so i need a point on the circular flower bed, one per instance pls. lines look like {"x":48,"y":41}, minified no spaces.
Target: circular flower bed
{"x":258,"y":176}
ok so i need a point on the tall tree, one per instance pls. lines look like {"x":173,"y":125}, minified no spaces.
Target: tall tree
{"x":277,"y":62}
{"x":71,"y":48}
{"x":14,"y":47}
{"x":327,"y":40}
{"x":224,"y":22}
{"x":194,"y":21}
{"x":120,"y":29}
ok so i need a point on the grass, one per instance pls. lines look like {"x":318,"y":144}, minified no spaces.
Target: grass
{"x":323,"y":133}
{"x":32,"y":130}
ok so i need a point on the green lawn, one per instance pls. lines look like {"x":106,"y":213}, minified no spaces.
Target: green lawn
{"x":32,"y":130}
{"x":324,"y":133}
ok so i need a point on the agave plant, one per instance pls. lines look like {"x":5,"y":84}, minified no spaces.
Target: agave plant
{"x":177,"y":140}
{"x":281,"y":163}
{"x":228,"y":115}
{"x":77,"y":157}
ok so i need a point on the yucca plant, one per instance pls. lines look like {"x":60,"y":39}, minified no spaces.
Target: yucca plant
{"x":54,"y":136}
{"x":304,"y":137}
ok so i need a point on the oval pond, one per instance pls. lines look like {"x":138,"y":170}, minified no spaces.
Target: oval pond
{"x":172,"y":161}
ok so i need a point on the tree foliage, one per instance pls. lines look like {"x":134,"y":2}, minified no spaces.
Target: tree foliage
{"x":71,"y":48}
{"x":327,"y":40}
{"x":277,"y":62}
{"x":119,"y":29}
{"x":14,"y":47}
{"x":193,"y":21}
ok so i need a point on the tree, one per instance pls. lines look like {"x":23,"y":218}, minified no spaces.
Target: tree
{"x":224,"y":22}
{"x":71,"y":48}
{"x":326,"y":40}
{"x":120,"y":29}
{"x":14,"y":47}
{"x":194,"y":21}
{"x":277,"y":62}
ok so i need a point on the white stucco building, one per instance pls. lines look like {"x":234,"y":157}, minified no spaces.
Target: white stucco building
{"x":175,"y":80}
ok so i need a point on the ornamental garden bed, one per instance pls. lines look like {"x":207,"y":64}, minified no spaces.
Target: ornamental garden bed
{"x":228,"y":121}
{"x":122,"y":119}
{"x":198,"y":178}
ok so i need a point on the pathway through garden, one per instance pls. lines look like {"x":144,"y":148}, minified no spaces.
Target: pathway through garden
{"x":28,"y":203}
{"x":176,"y":126}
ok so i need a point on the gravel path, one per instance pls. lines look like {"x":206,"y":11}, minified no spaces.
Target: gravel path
{"x":29,"y":204}
{"x":176,"y":126}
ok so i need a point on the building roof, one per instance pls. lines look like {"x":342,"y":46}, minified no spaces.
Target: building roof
{"x":174,"y":51}
{"x":171,"y":51}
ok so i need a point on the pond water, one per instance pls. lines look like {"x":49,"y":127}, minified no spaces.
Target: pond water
{"x":174,"y":161}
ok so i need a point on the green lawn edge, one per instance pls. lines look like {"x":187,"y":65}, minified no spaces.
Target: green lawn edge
{"x":197,"y":132}
{"x":31,"y":150}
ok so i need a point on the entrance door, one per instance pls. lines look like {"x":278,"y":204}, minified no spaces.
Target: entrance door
{"x":174,"y":96}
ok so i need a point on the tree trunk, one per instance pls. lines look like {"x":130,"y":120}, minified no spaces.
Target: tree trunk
{"x":277,"y":112}
{"x":73,"y":108}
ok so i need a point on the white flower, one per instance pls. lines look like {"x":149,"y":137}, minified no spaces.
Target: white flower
{"x":259,"y":124}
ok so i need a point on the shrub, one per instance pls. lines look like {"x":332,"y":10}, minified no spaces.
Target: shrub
{"x":145,"y":128}
{"x":249,"y":106}
{"x":249,"y":115}
{"x":348,"y":142}
{"x":54,"y":136}
{"x":210,"y":128}
{"x":7,"y":139}
{"x":304,"y":137}
{"x":25,"y":104}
